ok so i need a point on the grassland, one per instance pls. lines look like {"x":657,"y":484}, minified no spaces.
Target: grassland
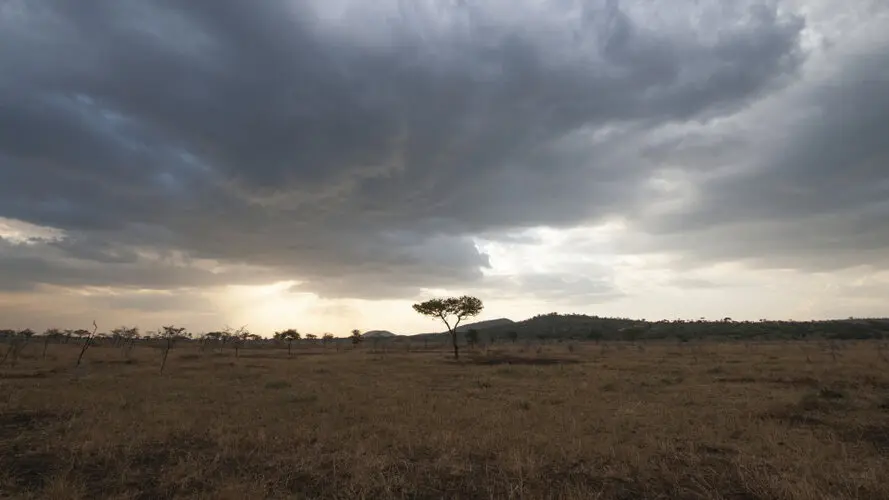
{"x":717,"y":420}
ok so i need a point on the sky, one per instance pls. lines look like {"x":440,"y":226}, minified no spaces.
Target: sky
{"x":324,"y":164}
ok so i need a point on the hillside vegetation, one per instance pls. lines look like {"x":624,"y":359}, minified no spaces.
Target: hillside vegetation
{"x":582,"y":327}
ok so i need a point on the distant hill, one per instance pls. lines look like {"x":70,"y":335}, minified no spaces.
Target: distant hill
{"x":559,"y":327}
{"x":578,"y":326}
{"x":482,"y":325}
{"x":378,"y":334}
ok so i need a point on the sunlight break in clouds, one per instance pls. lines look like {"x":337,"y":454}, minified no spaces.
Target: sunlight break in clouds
{"x":322,"y":164}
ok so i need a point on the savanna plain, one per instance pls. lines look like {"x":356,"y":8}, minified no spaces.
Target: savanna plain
{"x":574,"y":420}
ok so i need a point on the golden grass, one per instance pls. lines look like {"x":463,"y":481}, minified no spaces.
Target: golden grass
{"x":764,"y":421}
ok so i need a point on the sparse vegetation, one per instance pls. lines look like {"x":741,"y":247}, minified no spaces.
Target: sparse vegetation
{"x":746,"y":421}
{"x":614,"y":412}
{"x":16,"y":342}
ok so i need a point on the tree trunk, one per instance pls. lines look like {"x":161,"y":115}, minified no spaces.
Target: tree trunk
{"x":456,"y":348}
{"x":289,"y":347}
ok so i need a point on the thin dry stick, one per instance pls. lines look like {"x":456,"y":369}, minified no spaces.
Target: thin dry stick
{"x":166,"y":353}
{"x":170,"y":333}
{"x":86,"y":344}
{"x":8,"y":350}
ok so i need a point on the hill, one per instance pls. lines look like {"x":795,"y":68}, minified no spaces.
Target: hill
{"x":579,"y":326}
{"x":378,"y":334}
{"x":502,"y":323}
{"x":559,"y":327}
{"x":483,"y":325}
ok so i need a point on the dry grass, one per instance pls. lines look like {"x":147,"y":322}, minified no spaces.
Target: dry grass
{"x":767,"y":421}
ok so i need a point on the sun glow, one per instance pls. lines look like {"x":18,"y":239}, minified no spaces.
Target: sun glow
{"x":265,"y":308}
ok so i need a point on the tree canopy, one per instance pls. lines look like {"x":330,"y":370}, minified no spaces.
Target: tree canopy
{"x":449,"y":309}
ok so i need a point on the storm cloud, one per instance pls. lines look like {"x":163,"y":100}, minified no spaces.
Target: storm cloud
{"x":359,"y":148}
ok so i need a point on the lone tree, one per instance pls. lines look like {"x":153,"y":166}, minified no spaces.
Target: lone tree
{"x":457,"y":307}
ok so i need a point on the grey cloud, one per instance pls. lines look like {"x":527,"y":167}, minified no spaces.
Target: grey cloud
{"x":24,"y":267}
{"x":698,"y":283}
{"x":259,"y":135}
{"x":176,"y":301}
{"x":561,"y":287}
{"x":814,"y":198}
{"x":447,"y":262}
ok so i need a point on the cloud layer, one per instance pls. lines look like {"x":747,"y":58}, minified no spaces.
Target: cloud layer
{"x":362,"y":149}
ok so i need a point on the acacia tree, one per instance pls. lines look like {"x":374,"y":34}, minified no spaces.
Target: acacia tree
{"x":125,"y":337}
{"x":213,"y":339}
{"x":49,"y":335}
{"x":239,"y":337}
{"x":169,"y":334}
{"x":288,"y":336}
{"x":17,"y":342}
{"x":356,"y":337}
{"x":457,"y":308}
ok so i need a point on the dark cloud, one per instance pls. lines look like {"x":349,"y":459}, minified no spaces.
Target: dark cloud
{"x":354,"y":158}
{"x":24,"y":267}
{"x":813,"y":196}
{"x":179,"y":302}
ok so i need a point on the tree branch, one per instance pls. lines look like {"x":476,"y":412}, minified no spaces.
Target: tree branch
{"x":445,"y":319}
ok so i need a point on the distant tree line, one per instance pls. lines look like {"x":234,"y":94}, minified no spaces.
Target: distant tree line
{"x":560,"y":327}
{"x":553,"y":327}
{"x":583,"y":327}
